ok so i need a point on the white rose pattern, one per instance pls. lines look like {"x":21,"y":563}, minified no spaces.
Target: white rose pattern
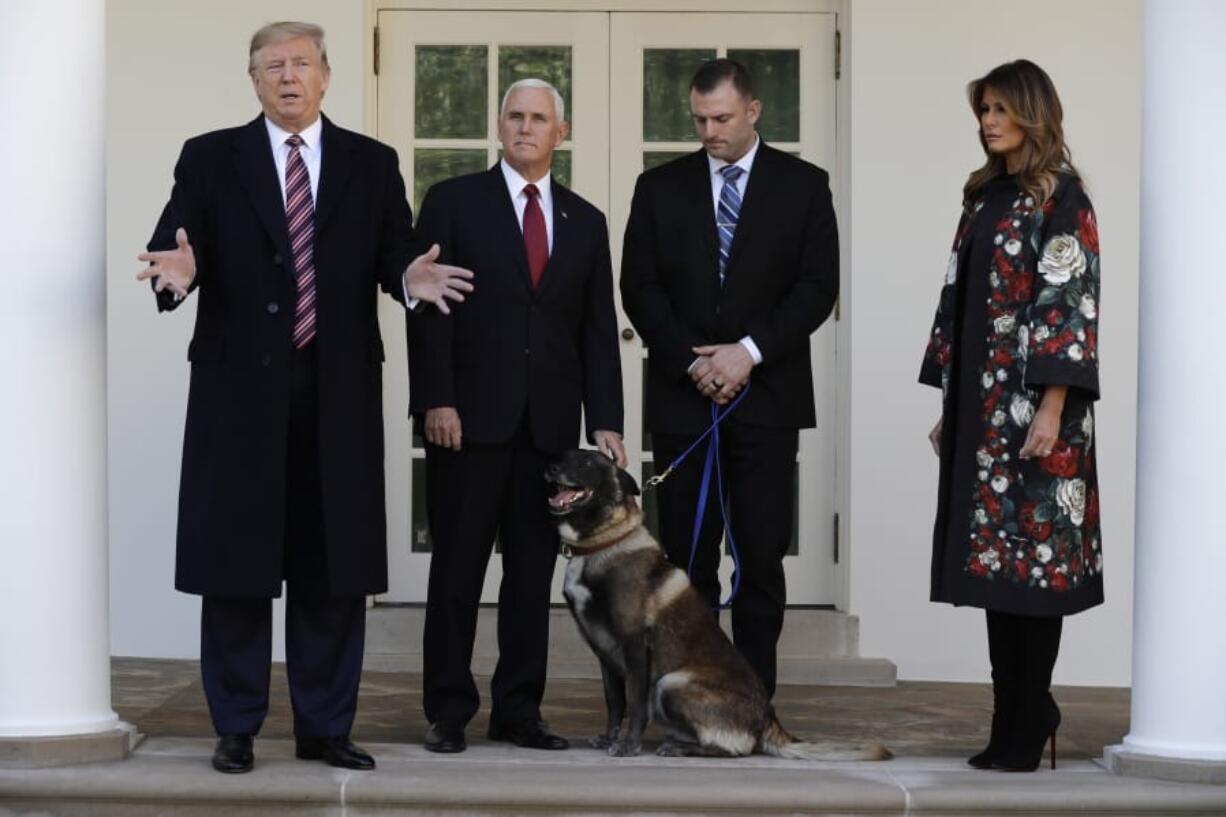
{"x":1063,"y":259}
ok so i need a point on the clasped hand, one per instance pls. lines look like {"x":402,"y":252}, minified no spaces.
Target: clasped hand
{"x":721,"y":371}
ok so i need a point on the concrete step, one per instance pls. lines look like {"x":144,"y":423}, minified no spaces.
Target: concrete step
{"x":171,"y":776}
{"x":816,"y":647}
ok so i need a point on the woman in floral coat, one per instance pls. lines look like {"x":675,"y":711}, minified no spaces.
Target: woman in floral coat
{"x":1014,"y":349}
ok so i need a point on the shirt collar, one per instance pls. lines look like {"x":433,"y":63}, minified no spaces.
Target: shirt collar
{"x":744,"y":163}
{"x":310,"y":134}
{"x":516,"y":183}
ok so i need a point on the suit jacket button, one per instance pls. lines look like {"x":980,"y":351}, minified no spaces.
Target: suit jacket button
{"x":266,"y":360}
{"x":276,"y":259}
{"x":273,"y":308}
{"x":526,"y":351}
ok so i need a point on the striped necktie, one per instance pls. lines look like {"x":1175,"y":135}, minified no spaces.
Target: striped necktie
{"x":728,"y":213}
{"x":300,"y":216}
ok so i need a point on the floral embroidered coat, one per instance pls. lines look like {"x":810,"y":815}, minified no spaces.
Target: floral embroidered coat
{"x":1018,"y":312}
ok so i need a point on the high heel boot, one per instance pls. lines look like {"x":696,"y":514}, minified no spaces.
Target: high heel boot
{"x":1003,"y":653}
{"x":1036,"y":715}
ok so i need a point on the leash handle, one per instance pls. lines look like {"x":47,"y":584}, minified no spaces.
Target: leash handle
{"x":717,"y":417}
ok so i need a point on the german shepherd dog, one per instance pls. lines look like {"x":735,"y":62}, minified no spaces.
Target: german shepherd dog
{"x":662,"y":654}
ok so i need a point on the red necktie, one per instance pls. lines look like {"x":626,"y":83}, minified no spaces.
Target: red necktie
{"x":300,"y":215}
{"x":536,"y":241}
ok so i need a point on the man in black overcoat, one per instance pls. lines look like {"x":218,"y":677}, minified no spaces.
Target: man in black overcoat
{"x":286,"y":227}
{"x":498,"y":388}
{"x":730,"y":263}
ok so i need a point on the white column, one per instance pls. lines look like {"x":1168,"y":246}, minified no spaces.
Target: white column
{"x":1179,"y":644}
{"x":54,"y":631}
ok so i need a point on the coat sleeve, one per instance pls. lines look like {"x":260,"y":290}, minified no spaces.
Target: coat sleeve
{"x":807,"y":304}
{"x":602,"y":371}
{"x":1062,"y":320}
{"x":397,"y":244}
{"x":184,"y":209}
{"x":940,"y":337}
{"x":430,"y":332}
{"x":644,"y":297}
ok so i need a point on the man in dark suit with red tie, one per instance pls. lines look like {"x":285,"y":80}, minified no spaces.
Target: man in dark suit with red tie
{"x":730,"y":263}
{"x":286,"y":228}
{"x":498,"y":388}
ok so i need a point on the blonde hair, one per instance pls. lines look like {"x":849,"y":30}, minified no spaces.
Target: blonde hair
{"x":280,"y":32}
{"x":1032,"y":103}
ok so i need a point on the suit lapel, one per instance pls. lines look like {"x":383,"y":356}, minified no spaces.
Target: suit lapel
{"x":757,"y":186}
{"x":258,"y":175}
{"x":336,"y":168}
{"x":563,"y":236}
{"x":507,"y":233}
{"x":698,"y":182}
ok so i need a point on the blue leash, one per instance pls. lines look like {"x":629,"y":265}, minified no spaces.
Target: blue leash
{"x":712,"y":466}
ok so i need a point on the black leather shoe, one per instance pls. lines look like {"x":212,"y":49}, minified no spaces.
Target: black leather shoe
{"x":528,"y":734}
{"x":338,"y":751}
{"x":233,"y":754}
{"x":446,"y":737}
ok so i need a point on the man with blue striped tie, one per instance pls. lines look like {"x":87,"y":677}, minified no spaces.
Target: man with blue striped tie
{"x":730,"y":263}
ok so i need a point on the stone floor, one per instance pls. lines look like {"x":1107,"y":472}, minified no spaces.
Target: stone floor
{"x":931,"y":727}
{"x":165,"y":699}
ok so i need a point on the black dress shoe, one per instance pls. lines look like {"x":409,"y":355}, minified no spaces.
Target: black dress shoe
{"x":446,"y":737}
{"x":338,"y":751}
{"x":528,"y":734}
{"x":233,"y":754}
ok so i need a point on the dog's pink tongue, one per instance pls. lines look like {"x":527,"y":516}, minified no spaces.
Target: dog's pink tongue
{"x":562,"y":497}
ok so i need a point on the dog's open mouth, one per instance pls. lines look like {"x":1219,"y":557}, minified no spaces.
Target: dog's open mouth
{"x":568,"y":497}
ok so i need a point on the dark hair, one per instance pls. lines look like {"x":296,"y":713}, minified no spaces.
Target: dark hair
{"x":714,"y":72}
{"x":1032,"y":102}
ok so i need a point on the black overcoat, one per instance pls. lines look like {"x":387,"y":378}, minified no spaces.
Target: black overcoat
{"x":233,"y":482}
{"x":1018,"y":313}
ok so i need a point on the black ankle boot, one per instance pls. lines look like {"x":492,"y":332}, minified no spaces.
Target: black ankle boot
{"x":1038,"y":719}
{"x":1002,"y":722}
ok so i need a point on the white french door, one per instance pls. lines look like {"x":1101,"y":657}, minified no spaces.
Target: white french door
{"x":624,"y":78}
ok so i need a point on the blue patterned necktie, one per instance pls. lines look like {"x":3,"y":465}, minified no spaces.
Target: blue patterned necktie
{"x":728,"y":213}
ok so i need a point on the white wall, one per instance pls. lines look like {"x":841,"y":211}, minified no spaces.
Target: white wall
{"x":176,"y":68}
{"x":912,"y":145}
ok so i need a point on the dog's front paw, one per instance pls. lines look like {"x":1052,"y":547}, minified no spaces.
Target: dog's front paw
{"x":670,"y":749}
{"x":601,"y":741}
{"x":625,"y":748}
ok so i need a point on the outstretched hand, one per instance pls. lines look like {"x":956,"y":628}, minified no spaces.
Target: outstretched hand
{"x":436,"y":283}
{"x":174,"y":269}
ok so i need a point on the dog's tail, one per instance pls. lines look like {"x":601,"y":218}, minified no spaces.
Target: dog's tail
{"x":778,"y":742}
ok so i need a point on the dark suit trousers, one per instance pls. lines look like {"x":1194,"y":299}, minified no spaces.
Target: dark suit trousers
{"x":324,"y":636}
{"x":471,"y":496}
{"x":759,"y":472}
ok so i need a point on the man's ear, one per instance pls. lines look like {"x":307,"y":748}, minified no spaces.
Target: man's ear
{"x":629,"y":486}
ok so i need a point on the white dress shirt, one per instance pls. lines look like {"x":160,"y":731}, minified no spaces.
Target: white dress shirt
{"x":717,"y":186}
{"x":311,"y":150}
{"x":515,"y":186}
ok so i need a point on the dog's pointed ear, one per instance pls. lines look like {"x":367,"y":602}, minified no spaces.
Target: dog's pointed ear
{"x":629,"y":486}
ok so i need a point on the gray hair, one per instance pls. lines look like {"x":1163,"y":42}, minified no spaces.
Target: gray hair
{"x":280,"y":32}
{"x":558,"y":104}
